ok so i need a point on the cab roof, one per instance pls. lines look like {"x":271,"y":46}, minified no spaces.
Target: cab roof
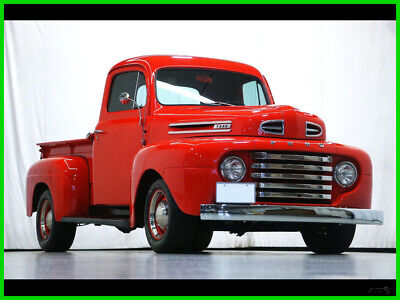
{"x":155,"y":62}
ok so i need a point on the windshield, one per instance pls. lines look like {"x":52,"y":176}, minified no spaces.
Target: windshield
{"x":208,"y":87}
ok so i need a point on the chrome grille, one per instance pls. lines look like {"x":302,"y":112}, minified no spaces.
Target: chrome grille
{"x":273,"y":127}
{"x":292,"y":177}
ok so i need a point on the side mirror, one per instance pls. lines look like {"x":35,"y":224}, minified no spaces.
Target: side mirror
{"x":124,"y":98}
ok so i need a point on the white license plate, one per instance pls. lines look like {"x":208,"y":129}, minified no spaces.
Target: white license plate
{"x":236,"y":192}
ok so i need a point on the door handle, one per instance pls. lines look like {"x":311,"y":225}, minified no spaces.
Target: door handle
{"x":98,"y":131}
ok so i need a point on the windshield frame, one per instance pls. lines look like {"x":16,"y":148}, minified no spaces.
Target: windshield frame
{"x":258,"y":80}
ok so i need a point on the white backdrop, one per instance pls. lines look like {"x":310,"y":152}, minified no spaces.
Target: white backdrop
{"x":342,"y":71}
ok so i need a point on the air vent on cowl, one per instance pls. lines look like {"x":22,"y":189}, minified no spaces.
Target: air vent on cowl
{"x":313,"y":130}
{"x":276,"y":127}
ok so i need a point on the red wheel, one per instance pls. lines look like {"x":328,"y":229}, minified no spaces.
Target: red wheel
{"x":158,"y":214}
{"x":46,"y":219}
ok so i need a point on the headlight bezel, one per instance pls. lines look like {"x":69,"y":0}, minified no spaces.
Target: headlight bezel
{"x":336,"y":174}
{"x":224,"y":170}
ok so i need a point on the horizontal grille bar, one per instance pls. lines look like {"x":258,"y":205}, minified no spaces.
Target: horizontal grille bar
{"x":291,"y":167}
{"x":297,"y":157}
{"x":292,"y":176}
{"x":295,"y":186}
{"x":292,"y":195}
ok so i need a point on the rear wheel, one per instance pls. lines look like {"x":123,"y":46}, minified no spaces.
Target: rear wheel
{"x":167,"y":228}
{"x":53,"y":236}
{"x":328,"y":238}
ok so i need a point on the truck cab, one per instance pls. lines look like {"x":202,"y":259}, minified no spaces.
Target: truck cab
{"x":185,"y":146}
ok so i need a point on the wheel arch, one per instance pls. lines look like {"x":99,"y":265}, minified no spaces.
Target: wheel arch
{"x":147,"y":179}
{"x":37,"y":192}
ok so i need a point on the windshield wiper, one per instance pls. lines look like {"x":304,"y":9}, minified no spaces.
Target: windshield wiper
{"x":218,"y":103}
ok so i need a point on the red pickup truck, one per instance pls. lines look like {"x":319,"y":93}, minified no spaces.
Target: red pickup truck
{"x":186,"y":146}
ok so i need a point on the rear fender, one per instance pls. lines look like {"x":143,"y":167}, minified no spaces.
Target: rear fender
{"x":67,"y":177}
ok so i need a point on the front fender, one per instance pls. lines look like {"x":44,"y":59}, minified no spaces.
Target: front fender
{"x":188,"y":166}
{"x":207,"y":152}
{"x":68,"y":180}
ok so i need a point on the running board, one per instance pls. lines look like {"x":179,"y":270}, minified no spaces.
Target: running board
{"x":117,"y":222}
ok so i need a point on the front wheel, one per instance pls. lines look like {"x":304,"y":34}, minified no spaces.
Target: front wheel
{"x":328,"y":238}
{"x":53,"y":236}
{"x":167,"y":228}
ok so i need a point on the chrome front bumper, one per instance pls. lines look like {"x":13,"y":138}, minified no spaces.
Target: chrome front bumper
{"x":296,"y":214}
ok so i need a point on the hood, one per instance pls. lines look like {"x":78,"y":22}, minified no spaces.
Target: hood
{"x":273,"y":121}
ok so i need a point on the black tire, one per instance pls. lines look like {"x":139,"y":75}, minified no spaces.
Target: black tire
{"x":203,"y":238}
{"x":182,"y":232}
{"x":53,"y":236}
{"x":328,"y":238}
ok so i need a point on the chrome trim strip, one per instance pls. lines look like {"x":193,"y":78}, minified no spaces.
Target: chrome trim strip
{"x":282,"y":127}
{"x":199,"y":131}
{"x":205,"y":123}
{"x":298,"y":157}
{"x":292,"y":176}
{"x":293,"y":195}
{"x":291,"y":167}
{"x":308,"y":129}
{"x":297,"y":186}
{"x":283,"y":213}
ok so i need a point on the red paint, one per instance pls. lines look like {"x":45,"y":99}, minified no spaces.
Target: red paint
{"x":114,"y":150}
{"x":106,"y":169}
{"x":68,"y":180}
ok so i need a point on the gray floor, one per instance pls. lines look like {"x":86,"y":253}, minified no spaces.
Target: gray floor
{"x":212,"y":264}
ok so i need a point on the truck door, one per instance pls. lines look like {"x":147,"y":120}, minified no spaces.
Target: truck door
{"x":118,"y":137}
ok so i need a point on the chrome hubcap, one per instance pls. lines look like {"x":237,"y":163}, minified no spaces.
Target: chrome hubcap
{"x":46,"y":219}
{"x":158,"y":214}
{"x":161,"y":215}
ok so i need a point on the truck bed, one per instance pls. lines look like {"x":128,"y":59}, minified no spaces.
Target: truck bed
{"x":81,"y":147}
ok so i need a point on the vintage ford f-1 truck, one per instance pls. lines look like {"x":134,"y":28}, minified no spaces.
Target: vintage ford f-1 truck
{"x":186,"y":146}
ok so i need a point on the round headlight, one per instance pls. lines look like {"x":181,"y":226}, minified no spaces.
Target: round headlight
{"x":233,"y":168}
{"x":345,"y":173}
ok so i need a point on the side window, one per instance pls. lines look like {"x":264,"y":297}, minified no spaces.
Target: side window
{"x":131,"y":82}
{"x":253,"y":94}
